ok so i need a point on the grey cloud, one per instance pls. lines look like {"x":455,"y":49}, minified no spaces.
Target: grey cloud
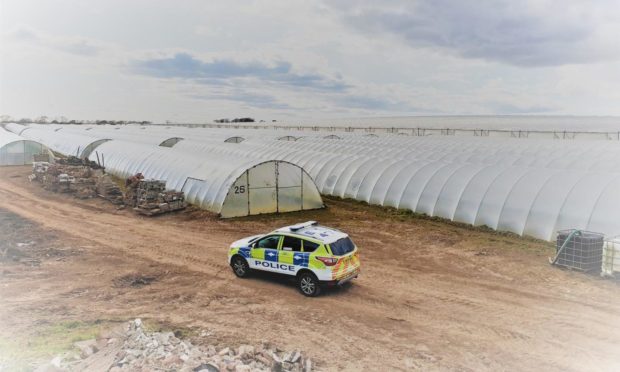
{"x":24,"y":34}
{"x":231,"y":79}
{"x":185,"y":66}
{"x":504,"y":31}
{"x":82,"y":47}
{"x":262,"y":101}
{"x":373,"y":103}
{"x":380,"y":104}
{"x":343,"y":101}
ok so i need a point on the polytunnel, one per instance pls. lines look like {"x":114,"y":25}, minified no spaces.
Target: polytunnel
{"x":15,"y":128}
{"x":16,"y":150}
{"x":521,"y":193}
{"x":131,"y":134}
{"x":65,"y":143}
{"x":227,"y":185}
{"x":530,"y":187}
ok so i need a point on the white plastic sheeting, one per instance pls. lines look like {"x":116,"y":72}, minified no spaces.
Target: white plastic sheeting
{"x":16,"y":150}
{"x":15,"y":128}
{"x":229,"y":186}
{"x":529,"y":188}
{"x":125,"y":133}
{"x":69,"y":144}
{"x":157,"y":134}
{"x":526,"y":186}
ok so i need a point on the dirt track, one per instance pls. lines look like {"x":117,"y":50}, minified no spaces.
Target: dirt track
{"x":431,"y":295}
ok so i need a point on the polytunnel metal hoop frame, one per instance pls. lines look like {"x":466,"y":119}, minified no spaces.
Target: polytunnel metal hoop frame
{"x":170,"y":142}
{"x":488,"y":193}
{"x":288,"y":138}
{"x":277,"y":185}
{"x":88,"y":149}
{"x":234,"y":139}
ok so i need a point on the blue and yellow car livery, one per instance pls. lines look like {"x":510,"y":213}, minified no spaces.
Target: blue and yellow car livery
{"x":308,"y":250}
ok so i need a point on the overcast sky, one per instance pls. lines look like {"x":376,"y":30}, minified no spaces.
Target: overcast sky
{"x":201,"y":60}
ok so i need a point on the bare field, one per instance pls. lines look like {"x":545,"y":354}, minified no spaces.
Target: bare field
{"x":432,"y":295}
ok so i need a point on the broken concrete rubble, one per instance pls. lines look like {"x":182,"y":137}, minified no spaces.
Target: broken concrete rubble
{"x":87,"y":348}
{"x":68,"y":178}
{"x":131,"y":348}
{"x":150,"y":197}
{"x":85,"y":179}
{"x":109,"y":190}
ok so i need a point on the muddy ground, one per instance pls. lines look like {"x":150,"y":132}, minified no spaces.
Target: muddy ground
{"x":432,"y":295}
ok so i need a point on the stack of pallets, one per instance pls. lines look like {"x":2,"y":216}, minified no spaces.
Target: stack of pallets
{"x":152,"y":198}
{"x":79,"y":180}
{"x":109,"y":190}
{"x":39,"y":170}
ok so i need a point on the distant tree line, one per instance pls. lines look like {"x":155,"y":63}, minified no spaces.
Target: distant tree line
{"x":235,"y":120}
{"x":64,"y":120}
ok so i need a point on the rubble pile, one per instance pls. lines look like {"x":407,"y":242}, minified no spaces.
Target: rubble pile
{"x":130,"y":348}
{"x":86,"y":179}
{"x":109,"y":190}
{"x":71,"y":175}
{"x":84,"y":188}
{"x":153,"y":198}
{"x":39,"y":169}
{"x":44,"y":157}
{"x":76,"y":179}
{"x":73,"y":160}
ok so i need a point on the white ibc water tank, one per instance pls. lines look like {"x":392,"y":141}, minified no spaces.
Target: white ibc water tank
{"x":611,"y":257}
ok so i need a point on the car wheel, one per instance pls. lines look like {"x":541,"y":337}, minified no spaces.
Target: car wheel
{"x":240,"y":267}
{"x":309,"y":285}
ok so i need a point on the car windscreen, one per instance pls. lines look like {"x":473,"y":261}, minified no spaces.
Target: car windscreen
{"x":255,"y":238}
{"x":342,"y":246}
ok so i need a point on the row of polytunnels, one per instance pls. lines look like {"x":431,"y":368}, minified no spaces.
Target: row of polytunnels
{"x":531,"y":187}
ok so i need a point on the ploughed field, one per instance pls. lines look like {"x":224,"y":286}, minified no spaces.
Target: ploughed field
{"x":431,"y":295}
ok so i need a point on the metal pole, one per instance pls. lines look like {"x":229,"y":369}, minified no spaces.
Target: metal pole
{"x":302,"y":188}
{"x":277,"y":188}
{"x":247,"y":182}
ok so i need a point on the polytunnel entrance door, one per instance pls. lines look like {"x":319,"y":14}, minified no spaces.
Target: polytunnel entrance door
{"x":262,"y":188}
{"x":271,"y":187}
{"x":290,"y":187}
{"x":274,"y":187}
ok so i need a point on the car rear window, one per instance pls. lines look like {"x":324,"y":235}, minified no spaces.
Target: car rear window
{"x":293,"y":243}
{"x":310,"y":246}
{"x":342,"y":246}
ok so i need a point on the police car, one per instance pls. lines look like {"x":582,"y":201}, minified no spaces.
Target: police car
{"x":317,"y":256}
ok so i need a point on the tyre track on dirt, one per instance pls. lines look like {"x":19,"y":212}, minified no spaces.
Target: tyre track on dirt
{"x":111,"y":232}
{"x":71,"y":220}
{"x":429,"y":308}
